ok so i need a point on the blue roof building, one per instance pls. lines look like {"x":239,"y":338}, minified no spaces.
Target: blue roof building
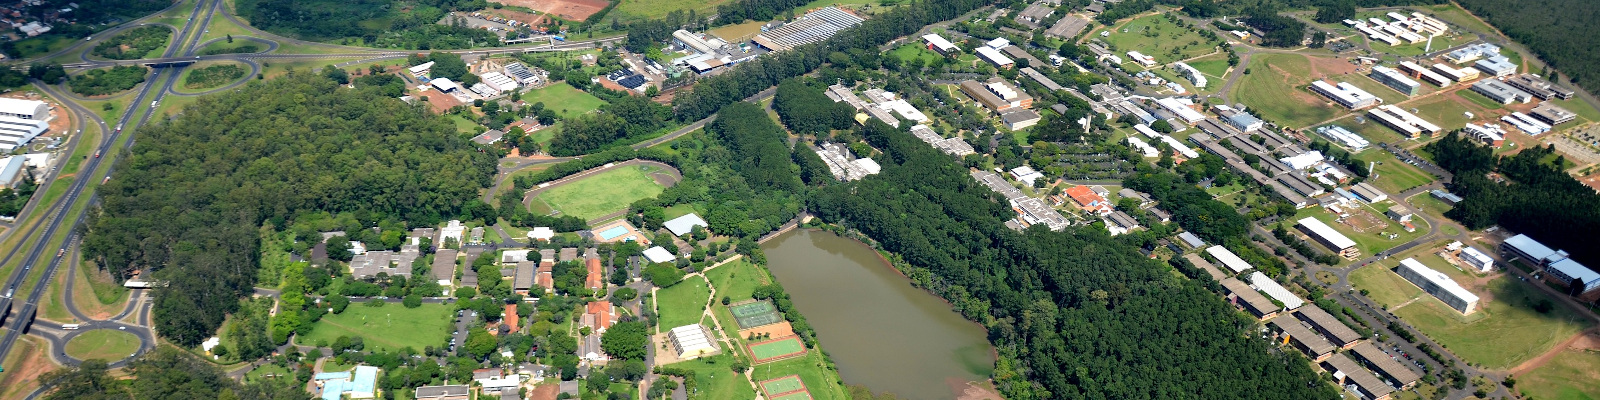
{"x":1530,"y":250}
{"x":328,"y":376}
{"x":1245,"y":122}
{"x":365,"y":383}
{"x":333,"y":389}
{"x":1567,"y":270}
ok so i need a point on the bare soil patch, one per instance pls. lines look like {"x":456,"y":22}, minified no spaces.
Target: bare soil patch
{"x":576,"y":10}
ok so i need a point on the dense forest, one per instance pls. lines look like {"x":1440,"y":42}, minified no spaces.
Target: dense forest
{"x":134,"y":44}
{"x":99,"y":82}
{"x":625,"y":119}
{"x":805,"y":110}
{"x":1540,"y":200}
{"x":186,"y":204}
{"x":1547,"y":27}
{"x":406,"y":24}
{"x":1074,"y":314}
{"x":166,"y":373}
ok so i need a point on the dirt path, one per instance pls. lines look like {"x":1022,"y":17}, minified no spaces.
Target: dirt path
{"x":1585,"y":339}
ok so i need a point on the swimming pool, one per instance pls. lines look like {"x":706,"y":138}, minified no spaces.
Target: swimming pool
{"x":613,"y":232}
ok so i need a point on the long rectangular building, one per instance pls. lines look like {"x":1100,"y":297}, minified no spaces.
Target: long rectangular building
{"x":1252,"y":301}
{"x":1501,"y":92}
{"x":1303,"y":338}
{"x":1266,"y":285}
{"x":1337,"y":332}
{"x":1345,"y":94}
{"x":1568,"y":270}
{"x":1456,"y":74}
{"x":1439,"y":285}
{"x":1396,"y":80}
{"x":1552,"y":114}
{"x":813,"y":27}
{"x":997,"y":94}
{"x":1347,"y":372}
{"x":1540,"y":87}
{"x":1406,"y":123}
{"x":1425,"y":74}
{"x":1329,"y":237}
{"x":1386,"y":366}
{"x":1228,"y":259}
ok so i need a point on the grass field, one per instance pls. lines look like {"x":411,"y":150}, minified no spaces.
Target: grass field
{"x":776,"y":348}
{"x":683,"y":303}
{"x":782,"y":385}
{"x":564,"y":99}
{"x":915,"y":51}
{"x":603,"y":193}
{"x":820,"y":381}
{"x":1578,"y":106}
{"x":738,"y":32}
{"x":1570,"y":375}
{"x":266,"y":371}
{"x":1394,"y":176}
{"x":1157,"y":37}
{"x":17,"y":381}
{"x":103,"y":344}
{"x":716,"y":381}
{"x":1216,"y":66}
{"x":794,"y":396}
{"x":1383,"y":285}
{"x":737,"y":280}
{"x":391,"y":327}
{"x":657,"y":9}
{"x":1447,"y":111}
{"x":1275,"y":88}
{"x":1480,"y":100}
{"x":1388,"y":94}
{"x":1504,"y":332}
{"x":1372,"y":241}
{"x":1453,"y":15}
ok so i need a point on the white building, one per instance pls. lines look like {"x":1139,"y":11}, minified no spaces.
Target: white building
{"x":25,"y":109}
{"x":1326,"y":235}
{"x":1477,"y":259}
{"x":685,"y":224}
{"x":1190,"y":73}
{"x":1304,"y":160}
{"x":659,"y":254}
{"x":1182,"y":110}
{"x":939,"y":44}
{"x":421,"y":70}
{"x":1266,"y":285}
{"x":444,"y":85}
{"x":17,"y":132}
{"x":691,"y":342}
{"x":452,"y":230}
{"x":1438,"y":284}
{"x":995,"y":57}
{"x":1144,"y":148}
{"x":1026,"y":174}
{"x":499,"y":81}
{"x":1228,"y":259}
{"x":1141,"y":58}
{"x":1345,"y":94}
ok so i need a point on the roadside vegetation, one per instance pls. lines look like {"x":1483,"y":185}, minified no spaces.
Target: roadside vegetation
{"x":134,"y":44}
{"x":100,"y":82}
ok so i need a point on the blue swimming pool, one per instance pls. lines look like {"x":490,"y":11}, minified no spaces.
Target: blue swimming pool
{"x":613,"y":232}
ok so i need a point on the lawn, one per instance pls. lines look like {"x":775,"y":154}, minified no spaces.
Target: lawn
{"x":1480,"y":100}
{"x":681,"y":210}
{"x":1388,"y":94}
{"x":1157,"y":37}
{"x":104,"y":344}
{"x":390,"y":328}
{"x":41,"y":45}
{"x":737,"y":280}
{"x":255,"y":375}
{"x":716,"y":380}
{"x":821,"y":381}
{"x":1578,"y":106}
{"x":1371,"y":242}
{"x":1570,"y":375}
{"x":657,"y":9}
{"x":1456,"y":16}
{"x":914,"y":51}
{"x":683,"y":303}
{"x":1383,"y":285}
{"x":604,"y":193}
{"x":1504,"y":332}
{"x":1276,"y":89}
{"x":1448,"y":112}
{"x":1393,"y":175}
{"x":564,"y":99}
{"x":1216,"y":66}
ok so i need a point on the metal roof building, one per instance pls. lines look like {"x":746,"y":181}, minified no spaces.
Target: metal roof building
{"x":1347,"y":372}
{"x":1266,"y":285}
{"x":1530,"y":250}
{"x":1439,"y":285}
{"x":684,"y":224}
{"x":1337,"y":332}
{"x":25,"y":109}
{"x":1204,"y":265}
{"x":1501,"y":92}
{"x":1325,"y":234}
{"x":1345,"y":94}
{"x":1303,"y":338}
{"x":1386,"y":366}
{"x":1250,"y":299}
{"x":1368,"y":192}
{"x":813,"y":27}
{"x":1567,"y":270}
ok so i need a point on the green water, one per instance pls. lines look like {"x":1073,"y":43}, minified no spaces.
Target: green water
{"x":881,"y":332}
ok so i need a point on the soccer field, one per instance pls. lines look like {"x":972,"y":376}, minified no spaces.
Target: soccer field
{"x":604,"y":193}
{"x":391,"y":327}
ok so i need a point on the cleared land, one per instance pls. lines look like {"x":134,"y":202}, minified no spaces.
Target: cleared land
{"x":1157,"y":37}
{"x":602,"y":194}
{"x":390,"y":328}
{"x":737,"y":280}
{"x":738,"y":32}
{"x":1383,"y":285}
{"x":683,"y":303}
{"x":572,"y":10}
{"x":1393,"y":176}
{"x":564,"y":99}
{"x":656,"y":9}
{"x":1373,"y":224}
{"x":1276,"y":89}
{"x":103,"y":344}
{"x":1571,"y":375}
{"x":1504,"y":332}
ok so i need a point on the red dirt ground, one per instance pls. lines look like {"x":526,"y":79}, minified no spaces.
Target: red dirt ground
{"x":576,"y":10}
{"x":527,"y":18}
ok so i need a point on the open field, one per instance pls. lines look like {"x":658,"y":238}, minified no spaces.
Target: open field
{"x":1276,"y":89}
{"x":564,"y":99}
{"x":656,"y":9}
{"x":103,"y":344}
{"x":391,"y":327}
{"x":1383,"y":285}
{"x":1448,"y":110}
{"x":1215,"y":66}
{"x":821,"y":382}
{"x":716,"y":381}
{"x":1504,"y":332}
{"x":28,"y":359}
{"x":1570,"y":375}
{"x":1393,"y":176}
{"x":572,"y":10}
{"x":914,"y":51}
{"x":1388,"y":94}
{"x":683,"y":303}
{"x":1157,"y":37}
{"x":1480,"y":100}
{"x":1578,"y":106}
{"x":737,"y":280}
{"x":1370,"y":241}
{"x":604,"y":193}
{"x":1456,"y":16}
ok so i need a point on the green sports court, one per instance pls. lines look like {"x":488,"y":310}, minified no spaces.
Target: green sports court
{"x":781,"y":386}
{"x":754,"y":314}
{"x":777,"y":349}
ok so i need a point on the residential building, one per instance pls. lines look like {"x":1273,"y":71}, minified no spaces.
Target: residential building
{"x":1439,"y":285}
{"x":1277,"y":292}
{"x":1294,"y":332}
{"x":691,"y":341}
{"x":1497,"y":66}
{"x":1540,"y":87}
{"x":1552,"y":114}
{"x":813,"y":27}
{"x":1568,"y":270}
{"x":1396,"y":80}
{"x":997,"y":94}
{"x":1501,"y":92}
{"x":939,"y":44}
{"x":1330,"y":326}
{"x":1348,"y":373}
{"x":1402,"y":121}
{"x":1325,"y":235}
{"x":599,"y":315}
{"x":1252,"y":301}
{"x":995,"y":57}
{"x":1228,"y":259}
{"x":1385,"y":365}
{"x":1345,"y":94}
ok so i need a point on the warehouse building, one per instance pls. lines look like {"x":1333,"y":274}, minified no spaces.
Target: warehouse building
{"x":1552,"y":114}
{"x":997,"y":94}
{"x":1540,"y":87}
{"x":1501,"y":92}
{"x":1404,"y":122}
{"x":17,"y":132}
{"x":1266,"y":285}
{"x":1325,"y":235}
{"x":1019,"y":118}
{"x":1475,"y":258}
{"x":1439,"y":285}
{"x":1252,"y":301}
{"x":1568,"y":270}
{"x":1524,"y":247}
{"x":24,"y":109}
{"x":1345,"y":94}
{"x":1497,"y":66}
{"x":1337,"y":332}
{"x":813,"y":27}
{"x":690,"y":40}
{"x":1396,"y":80}
{"x":1293,"y":332}
{"x":1228,"y":259}
{"x":1340,"y":135}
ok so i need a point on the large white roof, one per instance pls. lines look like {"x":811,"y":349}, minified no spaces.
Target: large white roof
{"x":1338,"y":240}
{"x":19,"y":106}
{"x":1276,"y":291}
{"x":659,"y":254}
{"x":1228,"y":259}
{"x":1439,"y":279}
{"x":684,"y":224}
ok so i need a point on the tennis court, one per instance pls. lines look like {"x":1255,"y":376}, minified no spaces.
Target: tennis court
{"x":754,"y":314}
{"x":777,"y":349}
{"x":783,"y":385}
